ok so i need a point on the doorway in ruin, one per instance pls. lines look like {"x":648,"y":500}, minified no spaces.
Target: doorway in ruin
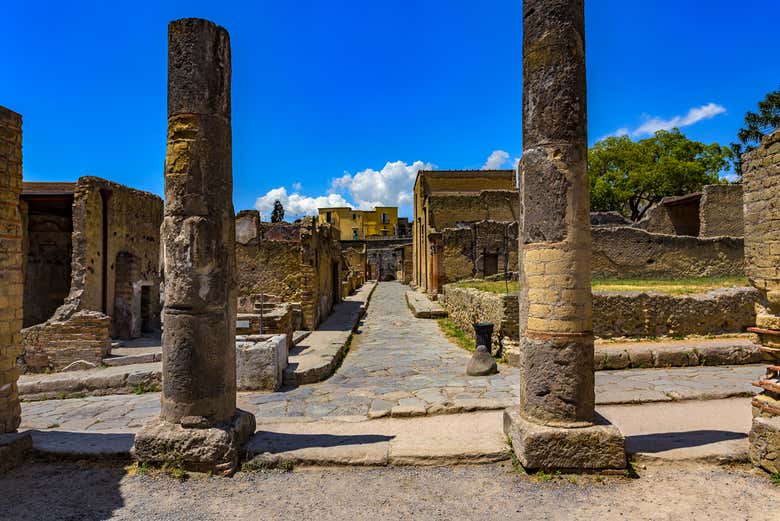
{"x":126,"y":321}
{"x":147,"y":324}
{"x":336,"y":279}
{"x":47,"y":213}
{"x":490,"y":264}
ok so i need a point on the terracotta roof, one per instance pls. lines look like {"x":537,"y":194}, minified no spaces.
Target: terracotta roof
{"x":29,"y":188}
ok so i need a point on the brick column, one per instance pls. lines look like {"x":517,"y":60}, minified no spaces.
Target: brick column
{"x":555,"y":425}
{"x":761,"y":189}
{"x":199,"y":423}
{"x":11,"y":279}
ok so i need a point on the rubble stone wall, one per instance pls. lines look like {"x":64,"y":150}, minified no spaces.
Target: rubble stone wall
{"x":634,"y":314}
{"x":11,"y":276}
{"x":626,"y":252}
{"x":447,"y":210}
{"x":721,"y":211}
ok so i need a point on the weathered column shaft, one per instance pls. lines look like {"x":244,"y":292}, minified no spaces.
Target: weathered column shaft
{"x":11,"y":279}
{"x":557,"y":383}
{"x":198,"y":232}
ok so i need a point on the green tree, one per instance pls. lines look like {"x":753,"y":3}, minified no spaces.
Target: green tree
{"x":630,"y":176}
{"x":757,"y":125}
{"x":277,"y":215}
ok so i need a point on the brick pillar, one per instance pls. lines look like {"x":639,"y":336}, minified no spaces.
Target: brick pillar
{"x":11,"y":279}
{"x":199,"y":420}
{"x":555,"y":425}
{"x":761,"y":189}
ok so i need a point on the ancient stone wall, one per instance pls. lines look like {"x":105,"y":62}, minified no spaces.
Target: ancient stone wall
{"x":633,"y":314}
{"x":109,"y":221}
{"x":11,"y":277}
{"x":447,"y":210}
{"x":721,"y":212}
{"x":478,"y":250}
{"x":626,"y":252}
{"x":405,"y":271}
{"x":300,"y":262}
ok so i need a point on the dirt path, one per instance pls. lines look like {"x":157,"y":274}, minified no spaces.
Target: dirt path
{"x":664,"y":492}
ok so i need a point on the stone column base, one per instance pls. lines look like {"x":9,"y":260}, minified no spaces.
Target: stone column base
{"x":215,"y":449}
{"x":13,"y":448}
{"x":598,"y":447}
{"x":765,"y":443}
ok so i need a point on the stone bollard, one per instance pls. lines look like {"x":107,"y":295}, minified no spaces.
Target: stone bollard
{"x":483,"y":335}
{"x":199,"y":426}
{"x":481,"y":363}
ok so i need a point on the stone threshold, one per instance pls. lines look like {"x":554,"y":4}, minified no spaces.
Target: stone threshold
{"x":709,"y":432}
{"x":93,"y":382}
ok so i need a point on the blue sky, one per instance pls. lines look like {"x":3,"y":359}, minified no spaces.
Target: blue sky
{"x":345,"y":100}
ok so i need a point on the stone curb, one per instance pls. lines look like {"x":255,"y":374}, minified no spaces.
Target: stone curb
{"x":645,"y":355}
{"x":422,"y":307}
{"x":101,"y":382}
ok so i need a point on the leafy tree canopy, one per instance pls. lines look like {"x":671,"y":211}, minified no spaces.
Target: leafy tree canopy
{"x":757,"y":125}
{"x":630,"y":176}
{"x":277,"y":215}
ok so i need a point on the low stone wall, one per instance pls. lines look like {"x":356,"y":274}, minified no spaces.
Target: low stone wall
{"x":727,"y":310}
{"x":56,"y":344}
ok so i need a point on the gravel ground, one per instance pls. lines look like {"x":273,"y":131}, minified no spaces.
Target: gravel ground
{"x":70,"y":491}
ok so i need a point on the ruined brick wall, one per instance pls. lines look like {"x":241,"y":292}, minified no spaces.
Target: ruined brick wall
{"x":672,"y":219}
{"x":721,"y":211}
{"x":298,"y":262}
{"x":111,"y":219}
{"x":11,"y":277}
{"x":321,"y":267}
{"x":626,"y":252}
{"x":405,"y":271}
{"x":479,"y":250}
{"x":115,"y":229}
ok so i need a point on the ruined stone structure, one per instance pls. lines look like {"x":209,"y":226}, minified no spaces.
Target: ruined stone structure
{"x":91,"y":269}
{"x":406,"y":266}
{"x":615,"y":314}
{"x":716,"y":211}
{"x":355,"y":261}
{"x":556,"y":425}
{"x":199,"y":424}
{"x":463,"y":225}
{"x":761,"y":179}
{"x":11,"y":281}
{"x":296,"y":263}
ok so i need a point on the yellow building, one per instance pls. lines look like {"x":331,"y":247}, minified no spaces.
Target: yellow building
{"x":358,"y":225}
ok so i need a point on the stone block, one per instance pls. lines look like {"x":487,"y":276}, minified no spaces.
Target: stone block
{"x":214,"y":449}
{"x":765,"y":443}
{"x":13,"y":449}
{"x":597,"y":447}
{"x":260,"y":363}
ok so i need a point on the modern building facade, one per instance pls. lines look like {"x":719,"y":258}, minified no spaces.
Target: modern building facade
{"x":359,"y":225}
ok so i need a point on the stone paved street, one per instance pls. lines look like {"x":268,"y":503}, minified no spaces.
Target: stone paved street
{"x":399,"y":366}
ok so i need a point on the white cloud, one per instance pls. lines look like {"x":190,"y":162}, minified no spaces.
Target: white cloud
{"x":295,"y":204}
{"x":390,"y":186}
{"x":652,"y":124}
{"x":496,"y":160}
{"x":297,"y":187}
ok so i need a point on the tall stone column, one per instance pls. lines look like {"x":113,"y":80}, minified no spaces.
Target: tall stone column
{"x":199,"y":423}
{"x":13,"y":447}
{"x":556,"y":425}
{"x":11,"y":279}
{"x":761,"y":188}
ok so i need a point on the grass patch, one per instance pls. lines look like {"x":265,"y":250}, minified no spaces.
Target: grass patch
{"x":456,"y":334}
{"x":686,"y":286}
{"x":174,"y":469}
{"x":775,"y":478}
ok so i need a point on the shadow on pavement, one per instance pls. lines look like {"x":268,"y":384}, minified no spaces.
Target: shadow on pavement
{"x":275,"y":442}
{"x":660,"y":442}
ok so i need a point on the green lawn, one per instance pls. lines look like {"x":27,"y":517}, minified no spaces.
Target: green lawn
{"x":685,"y":286}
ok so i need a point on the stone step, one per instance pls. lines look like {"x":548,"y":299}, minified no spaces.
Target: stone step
{"x":423,"y":307}
{"x":143,"y":358}
{"x":93,"y":382}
